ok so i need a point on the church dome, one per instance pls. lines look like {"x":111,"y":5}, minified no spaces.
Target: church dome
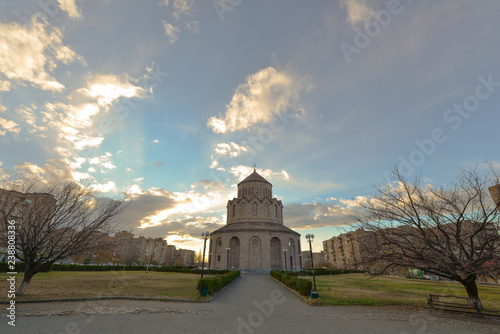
{"x":254,"y":177}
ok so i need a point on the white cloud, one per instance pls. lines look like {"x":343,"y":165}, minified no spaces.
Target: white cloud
{"x":156,"y":141}
{"x":74,"y":124}
{"x":241,"y":172}
{"x":230,"y":149}
{"x":30,"y":53}
{"x":107,"y":88}
{"x":104,"y":188}
{"x":4,"y":86}
{"x":264,"y":94}
{"x":9,"y":126}
{"x":53,"y":171}
{"x":70,"y":7}
{"x":171,"y":32}
{"x":182,"y":7}
{"x":103,"y":161}
{"x":357,"y":11}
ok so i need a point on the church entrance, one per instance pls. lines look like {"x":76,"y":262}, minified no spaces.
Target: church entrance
{"x":234,"y":253}
{"x":255,"y":253}
{"x":276,"y":254}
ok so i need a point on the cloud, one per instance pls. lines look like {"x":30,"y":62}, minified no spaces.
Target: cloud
{"x":104,"y":188}
{"x":4,"y":86}
{"x":264,"y":94}
{"x":230,"y":149}
{"x":54,"y":171}
{"x":9,"y":126}
{"x":317,"y":214}
{"x":74,"y":124}
{"x":107,"y":88}
{"x":182,"y":7}
{"x":357,"y":11}
{"x":156,"y":141}
{"x":171,"y":32}
{"x":31,"y":53}
{"x":70,"y":7}
{"x":103,"y":161}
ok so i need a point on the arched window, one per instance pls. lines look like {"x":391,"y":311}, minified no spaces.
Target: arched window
{"x":255,"y":209}
{"x":234,"y":210}
{"x":275,"y":210}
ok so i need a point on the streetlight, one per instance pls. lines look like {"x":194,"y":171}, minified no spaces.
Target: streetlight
{"x":227,"y":259}
{"x":205,"y":236}
{"x":284,"y":252}
{"x":314,"y":293}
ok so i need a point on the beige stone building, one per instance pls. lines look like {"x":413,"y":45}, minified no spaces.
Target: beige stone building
{"x":495,"y":193}
{"x":254,"y":238}
{"x":347,"y":251}
{"x":319,"y":259}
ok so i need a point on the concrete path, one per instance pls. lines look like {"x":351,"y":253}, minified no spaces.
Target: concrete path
{"x":253,"y":304}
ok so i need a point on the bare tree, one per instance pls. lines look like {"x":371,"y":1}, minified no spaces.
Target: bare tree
{"x":451,"y":231}
{"x":55,"y":222}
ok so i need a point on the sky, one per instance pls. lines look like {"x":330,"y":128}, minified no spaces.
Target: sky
{"x":172,"y":102}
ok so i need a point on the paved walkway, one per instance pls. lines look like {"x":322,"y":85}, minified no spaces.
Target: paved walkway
{"x":253,"y":304}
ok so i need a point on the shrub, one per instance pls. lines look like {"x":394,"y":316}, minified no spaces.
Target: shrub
{"x":214,"y":284}
{"x":303,"y":286}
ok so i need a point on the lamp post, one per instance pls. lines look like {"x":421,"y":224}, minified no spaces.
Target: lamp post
{"x":314,"y":293}
{"x":205,"y":236}
{"x":284,"y":252}
{"x":227,"y":259}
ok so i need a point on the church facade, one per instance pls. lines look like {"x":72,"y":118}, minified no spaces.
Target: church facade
{"x":255,"y":238}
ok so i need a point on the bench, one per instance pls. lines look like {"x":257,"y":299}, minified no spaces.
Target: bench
{"x":453,"y":303}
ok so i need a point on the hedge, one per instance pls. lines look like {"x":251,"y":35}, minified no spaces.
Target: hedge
{"x":303,"y":286}
{"x":214,"y":284}
{"x":320,"y":272}
{"x":78,"y":267}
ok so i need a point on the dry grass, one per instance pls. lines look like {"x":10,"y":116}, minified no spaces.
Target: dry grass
{"x":361,"y":289}
{"x":55,"y":285}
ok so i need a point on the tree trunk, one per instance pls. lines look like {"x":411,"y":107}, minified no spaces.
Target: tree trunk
{"x":470,"y":286}
{"x":27,"y":279}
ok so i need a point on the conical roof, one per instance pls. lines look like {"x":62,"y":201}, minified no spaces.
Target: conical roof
{"x":254,"y":177}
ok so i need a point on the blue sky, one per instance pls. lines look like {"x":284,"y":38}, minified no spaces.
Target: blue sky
{"x":171,"y":102}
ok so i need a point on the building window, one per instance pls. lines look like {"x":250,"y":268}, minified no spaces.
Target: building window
{"x":234,"y":210}
{"x":254,"y":209}
{"x":275,"y":210}
{"x":218,"y":257}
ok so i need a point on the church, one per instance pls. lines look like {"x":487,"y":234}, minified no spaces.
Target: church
{"x":254,"y":238}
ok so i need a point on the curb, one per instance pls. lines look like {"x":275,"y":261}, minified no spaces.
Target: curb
{"x":65,"y":300}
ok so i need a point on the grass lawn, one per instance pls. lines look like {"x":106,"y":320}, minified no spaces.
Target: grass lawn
{"x":78,"y":284}
{"x":361,"y":289}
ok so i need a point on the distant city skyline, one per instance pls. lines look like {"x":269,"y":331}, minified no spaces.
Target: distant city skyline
{"x":172,"y":102}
